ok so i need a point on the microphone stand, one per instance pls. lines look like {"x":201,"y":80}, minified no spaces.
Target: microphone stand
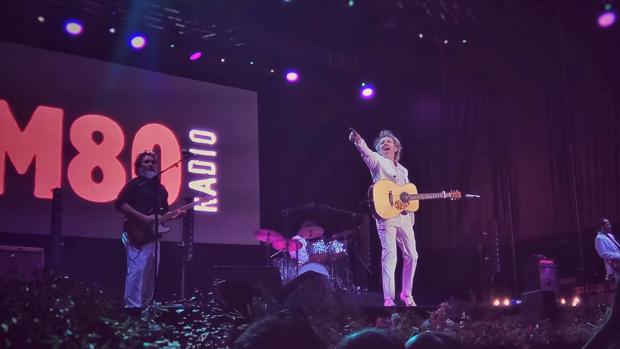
{"x":338,"y":210}
{"x":157,"y":236}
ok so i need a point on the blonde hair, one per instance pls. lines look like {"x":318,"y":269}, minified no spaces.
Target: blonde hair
{"x":388,"y":133}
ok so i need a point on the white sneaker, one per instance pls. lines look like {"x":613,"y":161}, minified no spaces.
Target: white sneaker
{"x":408,"y":300}
{"x":389,"y":303}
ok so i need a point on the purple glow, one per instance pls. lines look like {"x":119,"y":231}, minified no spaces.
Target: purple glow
{"x":367,"y":92}
{"x":138,"y":42}
{"x":73,"y":27}
{"x":292,"y":76}
{"x":606,"y":19}
{"x":195,"y":56}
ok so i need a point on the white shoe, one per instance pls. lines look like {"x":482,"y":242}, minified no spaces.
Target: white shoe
{"x":389,"y":303}
{"x":408,"y":300}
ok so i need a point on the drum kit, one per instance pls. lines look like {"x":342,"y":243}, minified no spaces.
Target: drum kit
{"x":310,"y":250}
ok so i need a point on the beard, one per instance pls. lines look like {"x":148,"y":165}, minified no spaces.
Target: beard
{"x":145,"y":172}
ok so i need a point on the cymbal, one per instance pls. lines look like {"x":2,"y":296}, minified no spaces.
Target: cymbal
{"x":293,"y":245}
{"x":268,"y":235}
{"x":311,"y":232}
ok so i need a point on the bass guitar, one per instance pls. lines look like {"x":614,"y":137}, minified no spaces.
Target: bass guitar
{"x":390,"y":199}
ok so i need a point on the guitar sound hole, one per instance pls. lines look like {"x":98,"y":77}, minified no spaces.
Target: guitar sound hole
{"x":404,"y":197}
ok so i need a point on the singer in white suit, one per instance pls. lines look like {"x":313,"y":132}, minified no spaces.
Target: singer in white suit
{"x":398,"y":231}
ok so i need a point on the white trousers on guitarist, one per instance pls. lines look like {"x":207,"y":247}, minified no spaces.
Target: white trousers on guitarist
{"x":393,"y":232}
{"x":140,"y":278}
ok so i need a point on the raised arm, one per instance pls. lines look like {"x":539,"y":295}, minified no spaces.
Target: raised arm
{"x":370,"y":157}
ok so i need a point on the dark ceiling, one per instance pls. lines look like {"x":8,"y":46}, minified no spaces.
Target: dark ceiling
{"x":272,"y":34}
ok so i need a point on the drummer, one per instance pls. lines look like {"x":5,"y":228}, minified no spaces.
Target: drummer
{"x":309,"y":230}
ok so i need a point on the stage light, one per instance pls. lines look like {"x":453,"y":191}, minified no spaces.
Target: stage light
{"x":445,"y":42}
{"x":563,"y":301}
{"x":292,"y":76}
{"x":195,"y":56}
{"x":606,"y":19}
{"x":506,"y":302}
{"x":272,"y":70}
{"x":41,"y":19}
{"x":112,"y":30}
{"x":251,"y":62}
{"x":576,"y":301}
{"x":351,"y":3}
{"x":171,"y":45}
{"x":222,"y":60}
{"x":420,"y":35}
{"x":138,"y":42}
{"x":464,"y":41}
{"x":73,"y":27}
{"x":367,"y":91}
{"x":496,"y":302}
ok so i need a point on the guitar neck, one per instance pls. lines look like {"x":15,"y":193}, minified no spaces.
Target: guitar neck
{"x":168,"y":215}
{"x":429,"y":196}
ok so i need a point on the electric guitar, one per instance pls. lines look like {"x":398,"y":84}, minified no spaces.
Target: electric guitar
{"x":390,"y":199}
{"x":140,"y":233}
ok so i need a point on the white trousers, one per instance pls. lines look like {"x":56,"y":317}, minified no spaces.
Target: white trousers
{"x":140,"y":278}
{"x":393,"y":232}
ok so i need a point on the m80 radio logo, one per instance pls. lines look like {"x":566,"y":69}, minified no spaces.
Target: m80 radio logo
{"x":95,"y":172}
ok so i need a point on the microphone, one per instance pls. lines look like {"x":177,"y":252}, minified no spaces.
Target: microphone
{"x":472,"y":196}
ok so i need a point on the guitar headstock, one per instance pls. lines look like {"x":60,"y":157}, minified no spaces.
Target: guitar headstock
{"x":455,"y":195}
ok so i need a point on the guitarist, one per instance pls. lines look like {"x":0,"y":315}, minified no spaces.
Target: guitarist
{"x":383,"y":164}
{"x":138,"y":200}
{"x":608,"y":248}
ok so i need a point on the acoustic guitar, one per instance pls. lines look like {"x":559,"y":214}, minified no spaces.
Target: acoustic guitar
{"x":140,"y":233}
{"x":390,"y":199}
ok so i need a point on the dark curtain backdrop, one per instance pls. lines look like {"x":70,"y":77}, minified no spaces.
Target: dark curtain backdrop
{"x":528,"y":119}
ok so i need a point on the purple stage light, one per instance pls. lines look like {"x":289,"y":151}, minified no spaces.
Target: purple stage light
{"x":195,"y":56}
{"x":73,"y":27}
{"x":367,"y":92}
{"x":292,"y":76}
{"x":606,"y":19}
{"x":138,"y":42}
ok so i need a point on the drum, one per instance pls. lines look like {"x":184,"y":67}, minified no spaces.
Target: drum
{"x":287,"y":268}
{"x":317,"y":251}
{"x":315,"y":267}
{"x":336,"y":250}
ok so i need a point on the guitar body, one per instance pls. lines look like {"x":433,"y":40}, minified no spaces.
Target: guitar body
{"x":389,"y":200}
{"x":141,"y":234}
